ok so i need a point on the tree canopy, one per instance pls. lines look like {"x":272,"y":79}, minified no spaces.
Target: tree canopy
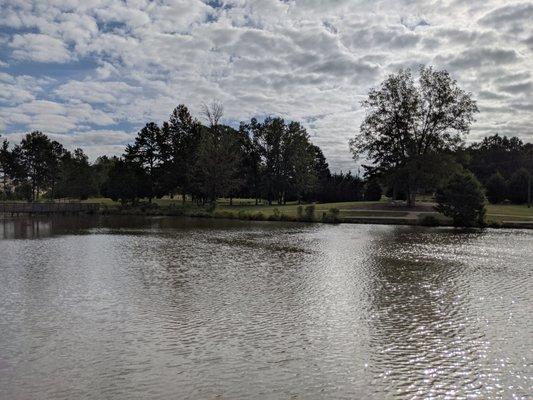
{"x":409,"y":123}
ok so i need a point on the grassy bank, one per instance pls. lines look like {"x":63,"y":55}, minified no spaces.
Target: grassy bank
{"x":356,"y":212}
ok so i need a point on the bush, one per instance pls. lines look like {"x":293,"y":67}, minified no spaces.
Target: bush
{"x":285,"y":217}
{"x":224,"y":214}
{"x":258,"y":216}
{"x":429,"y":220}
{"x":494,"y":224}
{"x":331,"y":216}
{"x":300,"y":212}
{"x":496,"y":188}
{"x":518,"y":185}
{"x":462,"y":199}
{"x":373,"y":191}
{"x":310,"y":212}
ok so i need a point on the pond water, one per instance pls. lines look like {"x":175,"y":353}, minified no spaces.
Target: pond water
{"x":158,"y":308}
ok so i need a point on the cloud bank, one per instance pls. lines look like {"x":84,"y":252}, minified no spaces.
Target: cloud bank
{"x":92,"y":73}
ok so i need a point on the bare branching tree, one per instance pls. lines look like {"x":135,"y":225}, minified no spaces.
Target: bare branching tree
{"x":213,"y":112}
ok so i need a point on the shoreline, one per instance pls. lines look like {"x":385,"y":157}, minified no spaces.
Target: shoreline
{"x":369,"y":220}
{"x":373,"y":213}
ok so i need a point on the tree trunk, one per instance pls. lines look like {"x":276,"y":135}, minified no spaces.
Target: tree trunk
{"x":231,"y":201}
{"x":183,"y":198}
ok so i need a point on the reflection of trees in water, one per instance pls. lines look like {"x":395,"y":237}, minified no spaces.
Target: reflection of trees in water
{"x":38,"y":226}
{"x":422,"y":337}
{"x":24,"y":228}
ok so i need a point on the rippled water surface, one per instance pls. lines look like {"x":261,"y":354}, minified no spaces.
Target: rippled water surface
{"x":133,"y":308}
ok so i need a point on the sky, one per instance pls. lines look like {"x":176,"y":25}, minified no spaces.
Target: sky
{"x":90,"y":74}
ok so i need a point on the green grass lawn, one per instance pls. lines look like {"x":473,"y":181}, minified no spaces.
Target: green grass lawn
{"x":510,"y":209}
{"x":509,"y":212}
{"x":290,"y":209}
{"x":498,"y":212}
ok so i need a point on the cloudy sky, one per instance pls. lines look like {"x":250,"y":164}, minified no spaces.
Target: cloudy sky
{"x":91,"y":73}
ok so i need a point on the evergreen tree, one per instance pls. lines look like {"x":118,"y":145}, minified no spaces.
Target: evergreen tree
{"x":462,"y":199}
{"x":76,"y":179}
{"x":184,"y":133}
{"x":373,"y":190}
{"x":149,"y":151}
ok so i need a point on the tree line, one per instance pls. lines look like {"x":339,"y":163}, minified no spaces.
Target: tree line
{"x":271,"y":160}
{"x":411,"y":138}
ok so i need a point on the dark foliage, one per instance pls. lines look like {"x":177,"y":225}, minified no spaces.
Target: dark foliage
{"x":127,"y":182}
{"x":340,"y":187}
{"x":496,"y":188}
{"x":518,"y":186}
{"x":409,"y":125}
{"x":461,"y":198}
{"x":373,"y":190}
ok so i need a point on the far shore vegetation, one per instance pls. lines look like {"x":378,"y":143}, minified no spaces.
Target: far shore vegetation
{"x":417,"y":166}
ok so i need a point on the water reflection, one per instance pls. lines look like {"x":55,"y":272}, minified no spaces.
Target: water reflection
{"x":126,"y":307}
{"x":427,"y":336}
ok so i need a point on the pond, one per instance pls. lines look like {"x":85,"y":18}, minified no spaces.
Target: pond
{"x":158,"y":308}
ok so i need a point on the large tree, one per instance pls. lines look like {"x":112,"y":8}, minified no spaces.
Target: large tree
{"x":37,"y":163}
{"x":6,"y":162}
{"x":100,"y":171}
{"x":408,"y":123}
{"x":127,"y":181}
{"x":286,"y":156}
{"x":76,"y":178}
{"x":217,"y":171}
{"x":184,"y":133}
{"x":298,"y":162}
{"x":149,"y":151}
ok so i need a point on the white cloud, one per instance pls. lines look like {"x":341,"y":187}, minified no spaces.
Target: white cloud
{"x":40,"y":48}
{"x":309,"y":60}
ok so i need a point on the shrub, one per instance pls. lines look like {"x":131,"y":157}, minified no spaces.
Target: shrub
{"x":276,"y":214}
{"x":494,"y":224}
{"x":518,"y":185}
{"x":258,"y":216}
{"x":331,"y":216}
{"x":300,"y":212}
{"x":429,"y":220}
{"x":224,"y":214}
{"x":462,"y":199}
{"x":496,"y":188}
{"x":310,"y":212}
{"x":373,"y":191}
{"x":285,"y":217}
